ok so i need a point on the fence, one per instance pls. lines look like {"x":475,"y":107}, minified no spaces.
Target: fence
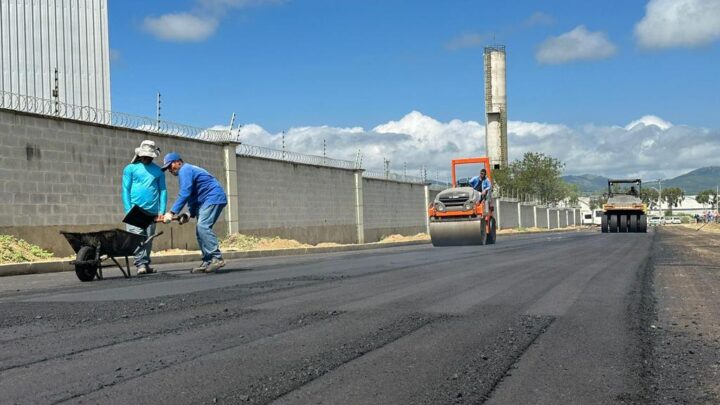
{"x":54,"y":108}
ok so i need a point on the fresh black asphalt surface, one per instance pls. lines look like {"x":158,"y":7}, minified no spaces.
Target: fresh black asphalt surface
{"x":543,"y":319}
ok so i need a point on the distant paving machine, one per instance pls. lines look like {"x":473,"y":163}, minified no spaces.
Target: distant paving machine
{"x":624,"y":210}
{"x":459,"y":216}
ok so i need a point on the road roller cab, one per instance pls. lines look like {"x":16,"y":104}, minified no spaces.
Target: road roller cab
{"x":624,"y":210}
{"x":460,"y":215}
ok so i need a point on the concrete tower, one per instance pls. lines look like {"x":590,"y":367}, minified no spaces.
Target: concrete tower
{"x":496,"y":106}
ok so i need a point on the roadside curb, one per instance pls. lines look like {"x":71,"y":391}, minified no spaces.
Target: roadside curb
{"x":17,"y":269}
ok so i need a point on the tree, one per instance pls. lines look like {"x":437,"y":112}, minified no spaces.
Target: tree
{"x":650,"y":197}
{"x":708,"y":197}
{"x":535,"y":174}
{"x":673,"y":196}
{"x":597,"y":202}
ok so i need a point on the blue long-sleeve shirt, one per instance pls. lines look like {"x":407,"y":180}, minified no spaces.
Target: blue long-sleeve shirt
{"x":144,"y":185}
{"x":197,"y":188}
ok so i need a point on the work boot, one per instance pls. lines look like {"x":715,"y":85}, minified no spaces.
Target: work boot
{"x":215,"y":265}
{"x":201,"y":268}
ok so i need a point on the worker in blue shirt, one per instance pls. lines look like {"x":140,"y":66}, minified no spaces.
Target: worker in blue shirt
{"x":484,"y":186}
{"x":143,"y":184}
{"x":205,"y":199}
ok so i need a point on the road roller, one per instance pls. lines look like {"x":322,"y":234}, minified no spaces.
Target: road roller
{"x":459,"y":216}
{"x":624,"y":210}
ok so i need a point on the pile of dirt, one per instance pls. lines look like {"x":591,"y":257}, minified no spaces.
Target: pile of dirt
{"x":240,"y":242}
{"x":401,"y":238}
{"x":14,"y":250}
{"x":170,"y":252}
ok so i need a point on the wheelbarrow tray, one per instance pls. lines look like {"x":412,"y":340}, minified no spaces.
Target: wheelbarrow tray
{"x":114,"y":242}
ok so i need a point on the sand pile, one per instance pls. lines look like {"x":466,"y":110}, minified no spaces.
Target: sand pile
{"x":14,"y":250}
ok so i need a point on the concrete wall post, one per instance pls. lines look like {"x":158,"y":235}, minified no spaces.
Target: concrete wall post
{"x":359,"y":223}
{"x":558,"y":218}
{"x":520,"y":224}
{"x":232,"y":210}
{"x":427,"y":204}
{"x":535,"y":216}
{"x":497,"y":213}
{"x":548,"y":217}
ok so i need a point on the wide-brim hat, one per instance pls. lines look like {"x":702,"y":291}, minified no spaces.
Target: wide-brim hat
{"x":146,"y":149}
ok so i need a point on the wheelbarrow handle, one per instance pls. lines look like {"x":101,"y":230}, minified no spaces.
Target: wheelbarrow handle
{"x":152,"y":237}
{"x":148,"y":240}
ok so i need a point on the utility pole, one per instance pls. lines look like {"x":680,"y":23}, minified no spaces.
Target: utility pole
{"x":157,"y":114}
{"x":232,"y":123}
{"x":56,"y":93}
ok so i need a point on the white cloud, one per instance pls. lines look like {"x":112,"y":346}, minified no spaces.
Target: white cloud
{"x":467,"y":40}
{"x":198,"y":24}
{"x":181,"y":27}
{"x":648,"y":148}
{"x":679,"y":23}
{"x":648,"y":120}
{"x":539,"y":18}
{"x":578,"y":44}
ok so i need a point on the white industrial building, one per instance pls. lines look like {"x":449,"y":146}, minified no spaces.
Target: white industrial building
{"x":41,"y":37}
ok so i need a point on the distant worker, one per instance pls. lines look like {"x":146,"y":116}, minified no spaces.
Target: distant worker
{"x":633,"y":192}
{"x":206,"y":200}
{"x":482,"y":184}
{"x":143,"y":184}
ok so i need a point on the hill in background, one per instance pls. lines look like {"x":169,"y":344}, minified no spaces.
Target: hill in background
{"x":692,"y":182}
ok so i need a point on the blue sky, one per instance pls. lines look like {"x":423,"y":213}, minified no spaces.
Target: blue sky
{"x":365,"y":63}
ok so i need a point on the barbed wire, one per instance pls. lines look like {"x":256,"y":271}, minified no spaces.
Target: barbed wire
{"x":289,"y":156}
{"x":58,"y":109}
{"x":54,"y":108}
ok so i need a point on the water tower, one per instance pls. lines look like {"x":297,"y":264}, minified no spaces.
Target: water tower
{"x":496,"y":106}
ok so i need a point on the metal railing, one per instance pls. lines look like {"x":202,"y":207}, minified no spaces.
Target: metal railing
{"x":295,"y":157}
{"x":54,"y":108}
{"x":387,"y":175}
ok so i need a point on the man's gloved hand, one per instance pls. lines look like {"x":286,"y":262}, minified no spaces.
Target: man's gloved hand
{"x":183,"y":218}
{"x":168,"y":217}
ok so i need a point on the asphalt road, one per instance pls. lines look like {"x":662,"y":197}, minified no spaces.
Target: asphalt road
{"x":546,"y":318}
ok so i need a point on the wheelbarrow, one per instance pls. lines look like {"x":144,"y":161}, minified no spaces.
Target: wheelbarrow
{"x":94,"y":248}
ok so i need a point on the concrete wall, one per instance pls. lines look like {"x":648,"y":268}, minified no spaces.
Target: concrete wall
{"x":564,"y":218}
{"x":508,"y":217}
{"x":393,"y":208}
{"x":527,"y":215}
{"x":65,"y":175}
{"x":553,"y":218}
{"x":58,"y":174}
{"x":308,"y":203}
{"x":542,"y":221}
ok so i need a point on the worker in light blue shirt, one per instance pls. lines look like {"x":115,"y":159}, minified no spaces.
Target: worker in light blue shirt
{"x":206,"y":200}
{"x":484,"y":186}
{"x":143,"y":184}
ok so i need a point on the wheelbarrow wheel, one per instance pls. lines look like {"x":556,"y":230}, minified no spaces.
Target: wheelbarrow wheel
{"x":85,"y":266}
